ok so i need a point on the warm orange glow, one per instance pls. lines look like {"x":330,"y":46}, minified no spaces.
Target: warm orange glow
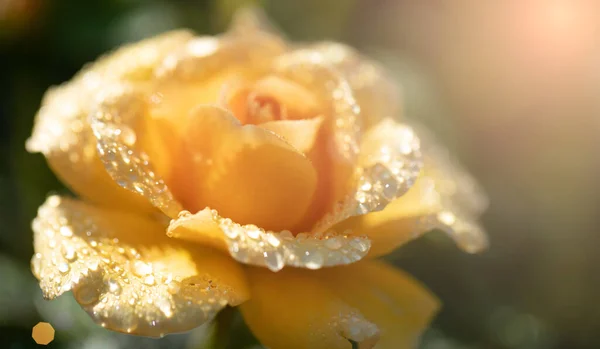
{"x":43,"y":333}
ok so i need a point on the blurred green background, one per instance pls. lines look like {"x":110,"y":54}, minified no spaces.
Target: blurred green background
{"x":511,"y":86}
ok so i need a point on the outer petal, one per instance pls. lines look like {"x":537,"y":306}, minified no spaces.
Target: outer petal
{"x":391,"y":299}
{"x":252,"y":245}
{"x":62,"y":132}
{"x":377,"y":96}
{"x":294,"y":309}
{"x":444,"y":197}
{"x":461,"y":199}
{"x":126,"y":273}
{"x":390,"y":161}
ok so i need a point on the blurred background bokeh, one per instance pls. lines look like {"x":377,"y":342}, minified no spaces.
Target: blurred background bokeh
{"x":510,"y":86}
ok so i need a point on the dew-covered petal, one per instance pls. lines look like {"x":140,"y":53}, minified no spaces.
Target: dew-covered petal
{"x":377,"y":96}
{"x":118,"y":111}
{"x":253,"y":245}
{"x":62,"y":132}
{"x":401,"y":221}
{"x":205,"y":56}
{"x":444,"y":197}
{"x":247,"y":173}
{"x":312,"y":73}
{"x":126,"y":273}
{"x":301,"y":134}
{"x":461,"y":199}
{"x":398,"y":304}
{"x":390,"y":161}
{"x":294,"y":309}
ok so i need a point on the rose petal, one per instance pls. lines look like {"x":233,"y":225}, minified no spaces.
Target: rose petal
{"x":377,"y":96}
{"x":62,"y":132}
{"x":399,"y":222}
{"x":444,"y":197}
{"x":247,"y":173}
{"x":336,"y":151}
{"x":293,"y":309}
{"x":386,"y":296}
{"x":126,"y":273}
{"x":113,"y":122}
{"x":301,"y":134}
{"x":250,"y":244}
{"x":461,"y":199}
{"x":390,"y":161}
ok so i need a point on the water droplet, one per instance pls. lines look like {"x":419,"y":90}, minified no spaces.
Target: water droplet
{"x":52,"y":243}
{"x":69,"y":253}
{"x":139,"y":187}
{"x":165,"y":306}
{"x":333,"y":243}
{"x":359,"y":244}
{"x":273,"y":240}
{"x":273,"y":260}
{"x":66,"y":231}
{"x":173,"y":287}
{"x":87,"y":294}
{"x":253,"y":233}
{"x":127,"y":135}
{"x":141,"y":269}
{"x":232,"y":232}
{"x":149,"y":280}
{"x":36,"y":263}
{"x":113,"y":286}
{"x":63,"y":268}
{"x":389,"y":189}
{"x":312,"y":259}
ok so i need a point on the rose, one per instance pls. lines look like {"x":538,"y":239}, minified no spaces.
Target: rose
{"x":271,"y":154}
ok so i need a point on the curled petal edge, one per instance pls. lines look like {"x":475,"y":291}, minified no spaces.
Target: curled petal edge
{"x":252,"y":245}
{"x":144,"y":284}
{"x":112,"y":123}
{"x":389,"y":165}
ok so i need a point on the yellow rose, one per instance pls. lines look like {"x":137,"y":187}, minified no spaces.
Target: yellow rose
{"x":225,"y":170}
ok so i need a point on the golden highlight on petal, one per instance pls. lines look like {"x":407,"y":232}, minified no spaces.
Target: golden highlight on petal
{"x":126,"y":273}
{"x":400,"y":306}
{"x":245,"y":172}
{"x":253,"y":245}
{"x":294,"y":309}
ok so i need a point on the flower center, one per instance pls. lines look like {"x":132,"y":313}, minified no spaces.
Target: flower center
{"x":269,"y":99}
